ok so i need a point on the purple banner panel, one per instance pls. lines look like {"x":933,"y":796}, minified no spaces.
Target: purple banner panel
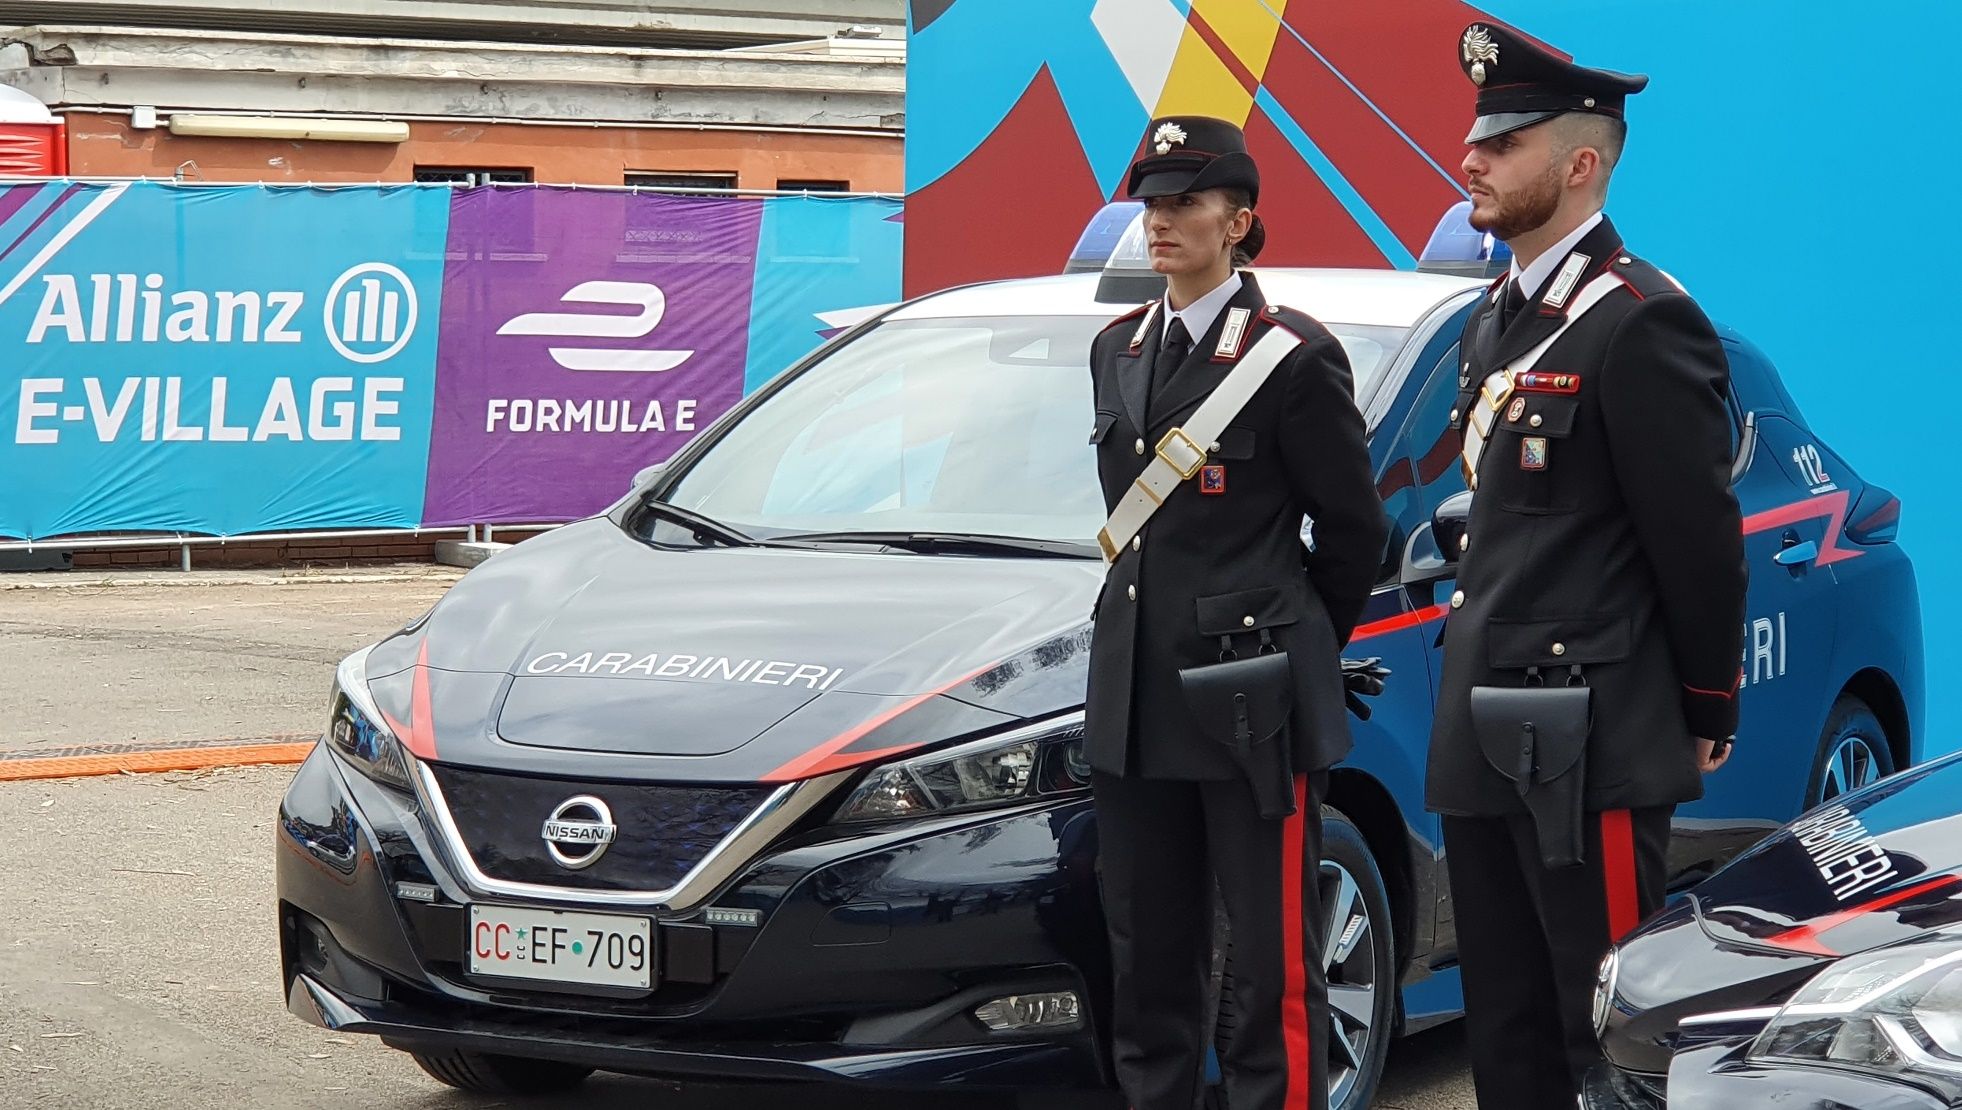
{"x":585,"y":335}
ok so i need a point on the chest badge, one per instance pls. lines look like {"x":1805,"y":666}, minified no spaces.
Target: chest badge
{"x":1517,"y":410}
{"x":1212,"y":480}
{"x":1532,"y":453}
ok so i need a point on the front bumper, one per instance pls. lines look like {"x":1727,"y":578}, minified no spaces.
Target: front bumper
{"x":872,"y":949}
{"x":1718,"y":1077}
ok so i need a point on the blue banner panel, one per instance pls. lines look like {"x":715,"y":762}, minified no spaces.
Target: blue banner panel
{"x":817,"y":259}
{"x":216,"y":360}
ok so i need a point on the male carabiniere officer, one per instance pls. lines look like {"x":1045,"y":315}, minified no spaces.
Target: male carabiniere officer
{"x":1216,"y":701}
{"x":1602,"y":576}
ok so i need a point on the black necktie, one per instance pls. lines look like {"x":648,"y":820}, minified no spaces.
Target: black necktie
{"x":1510,"y":304}
{"x":1170,"y":354}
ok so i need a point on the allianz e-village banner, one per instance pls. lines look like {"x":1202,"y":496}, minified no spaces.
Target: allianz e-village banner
{"x":244,"y":359}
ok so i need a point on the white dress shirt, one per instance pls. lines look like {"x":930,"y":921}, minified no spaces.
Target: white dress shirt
{"x":1532,"y":279}
{"x":1200,"y":314}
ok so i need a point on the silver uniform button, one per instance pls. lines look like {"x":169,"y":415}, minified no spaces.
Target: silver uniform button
{"x":1132,"y":592}
{"x":1625,"y":260}
{"x":1137,"y":542}
{"x":1248,"y":621}
{"x":1560,"y":649}
{"x":1458,"y":599}
{"x":1454,"y":416}
{"x":1138,"y":447}
{"x":1464,"y":543}
{"x":1536,"y":421}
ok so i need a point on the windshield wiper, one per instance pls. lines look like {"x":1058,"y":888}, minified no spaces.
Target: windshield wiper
{"x":955,"y":542}
{"x":701,"y":525}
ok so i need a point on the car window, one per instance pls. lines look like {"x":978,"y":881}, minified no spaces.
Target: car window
{"x":968,"y":425}
{"x":977,"y":424}
{"x":1422,"y":468}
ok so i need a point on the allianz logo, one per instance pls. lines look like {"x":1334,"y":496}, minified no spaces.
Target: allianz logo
{"x":368,"y":316}
{"x":651,"y":305}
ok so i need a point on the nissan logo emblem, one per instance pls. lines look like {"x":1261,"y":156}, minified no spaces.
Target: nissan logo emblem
{"x":578,"y":831}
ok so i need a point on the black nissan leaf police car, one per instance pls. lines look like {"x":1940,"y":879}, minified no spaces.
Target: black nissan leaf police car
{"x":773,"y":770}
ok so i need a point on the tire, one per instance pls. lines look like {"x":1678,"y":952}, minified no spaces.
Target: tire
{"x":489,"y":1074}
{"x":1853,"y":751}
{"x":1363,"y":1026}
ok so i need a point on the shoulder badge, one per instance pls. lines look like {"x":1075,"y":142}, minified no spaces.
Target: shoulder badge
{"x":1566,"y":279}
{"x":1144,"y":325}
{"x":1232,"y":335}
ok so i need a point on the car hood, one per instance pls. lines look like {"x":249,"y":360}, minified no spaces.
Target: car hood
{"x":1877,"y":867}
{"x":588,"y":651}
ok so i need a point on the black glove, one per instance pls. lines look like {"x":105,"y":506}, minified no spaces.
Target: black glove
{"x":1362,"y":678}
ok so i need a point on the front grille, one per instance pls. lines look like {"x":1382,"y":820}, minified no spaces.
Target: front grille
{"x":664,"y":830}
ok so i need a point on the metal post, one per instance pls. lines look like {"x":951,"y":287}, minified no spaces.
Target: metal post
{"x":487,"y":533}
{"x":184,"y":556}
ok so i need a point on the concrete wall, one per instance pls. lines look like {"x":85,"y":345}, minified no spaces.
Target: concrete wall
{"x":711,"y":23}
{"x":104,"y":145}
{"x":833,"y":111}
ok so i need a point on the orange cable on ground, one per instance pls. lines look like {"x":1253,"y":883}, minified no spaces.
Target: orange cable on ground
{"x":17,"y":769}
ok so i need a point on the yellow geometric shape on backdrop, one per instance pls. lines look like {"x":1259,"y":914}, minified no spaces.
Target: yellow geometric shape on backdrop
{"x":1247,"y":27}
{"x":1201,"y":85}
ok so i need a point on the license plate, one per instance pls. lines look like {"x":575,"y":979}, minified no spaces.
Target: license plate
{"x":562,"y":946}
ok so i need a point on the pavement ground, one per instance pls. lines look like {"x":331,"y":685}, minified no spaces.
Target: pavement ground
{"x":138,"y":963}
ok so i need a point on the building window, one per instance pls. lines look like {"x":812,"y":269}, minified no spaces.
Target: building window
{"x":794,"y":186}
{"x":691,"y":182}
{"x":471,"y":176}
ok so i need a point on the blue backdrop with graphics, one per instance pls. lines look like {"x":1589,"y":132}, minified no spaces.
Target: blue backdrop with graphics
{"x":217,"y":360}
{"x":1789,"y":163}
{"x":230,"y":360}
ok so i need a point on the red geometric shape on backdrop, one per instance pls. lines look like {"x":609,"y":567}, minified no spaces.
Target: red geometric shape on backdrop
{"x":1393,"y":178}
{"x":1411,"y":74}
{"x":1306,"y":225}
{"x":1012,"y":208}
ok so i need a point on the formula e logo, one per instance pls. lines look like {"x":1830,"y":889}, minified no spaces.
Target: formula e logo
{"x":652,"y":303}
{"x":370,"y":313}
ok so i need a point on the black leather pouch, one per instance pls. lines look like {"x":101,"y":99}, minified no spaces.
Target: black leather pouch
{"x":1244,"y":704}
{"x":1536,"y":737}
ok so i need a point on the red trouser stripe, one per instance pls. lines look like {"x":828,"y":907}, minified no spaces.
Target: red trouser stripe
{"x":1294,"y":1000}
{"x":1618,"y":873}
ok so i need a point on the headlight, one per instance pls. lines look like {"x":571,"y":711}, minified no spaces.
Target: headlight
{"x":356,"y":728}
{"x":1894,"y":1011}
{"x":1604,"y":989}
{"x":996,"y":771}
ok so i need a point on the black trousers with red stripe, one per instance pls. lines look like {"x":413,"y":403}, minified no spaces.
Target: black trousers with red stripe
{"x":1162,"y":846}
{"x":1531,"y":940}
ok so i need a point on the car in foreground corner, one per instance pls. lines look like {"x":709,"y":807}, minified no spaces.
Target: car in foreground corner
{"x":773,"y":771}
{"x":1821,"y":968}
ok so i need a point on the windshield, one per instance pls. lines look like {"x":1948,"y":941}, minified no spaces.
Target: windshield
{"x":974,"y":425}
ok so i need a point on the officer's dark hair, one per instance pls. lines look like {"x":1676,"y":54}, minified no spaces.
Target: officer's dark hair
{"x":1245,"y":250}
{"x":1606,"y":134}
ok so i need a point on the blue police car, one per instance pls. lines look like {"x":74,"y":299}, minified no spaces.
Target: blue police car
{"x":774,"y":770}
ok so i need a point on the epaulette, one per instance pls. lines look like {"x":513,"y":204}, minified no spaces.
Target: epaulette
{"x":1298,"y":322}
{"x":1641,"y":277}
{"x":1130,"y":316}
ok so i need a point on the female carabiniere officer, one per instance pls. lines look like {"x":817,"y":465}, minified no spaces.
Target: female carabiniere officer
{"x":1215,"y":700}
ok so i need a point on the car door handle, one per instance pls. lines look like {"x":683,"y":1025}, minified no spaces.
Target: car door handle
{"x":1797,"y":554}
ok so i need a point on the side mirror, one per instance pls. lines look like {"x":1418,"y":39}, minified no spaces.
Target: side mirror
{"x":645,"y":475}
{"x":1449,"y":522}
